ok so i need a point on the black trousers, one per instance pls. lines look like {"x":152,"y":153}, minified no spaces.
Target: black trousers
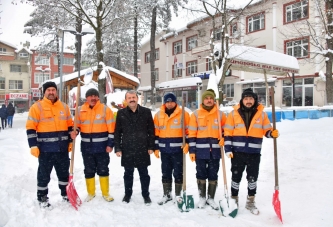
{"x":172,"y":163}
{"x":239,"y":163}
{"x":48,"y":160}
{"x":96,"y":163}
{"x":144,"y":180}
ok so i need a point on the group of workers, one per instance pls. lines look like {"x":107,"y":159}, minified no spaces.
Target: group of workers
{"x":135,"y":134}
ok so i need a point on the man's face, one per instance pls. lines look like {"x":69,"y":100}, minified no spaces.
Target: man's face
{"x":248,"y":101}
{"x":170,"y":105}
{"x":92,"y":100}
{"x":208,"y":101}
{"x":132,"y":100}
{"x":51,"y":94}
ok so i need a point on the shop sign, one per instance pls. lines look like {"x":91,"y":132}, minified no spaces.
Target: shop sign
{"x":35,"y":92}
{"x":18,"y":96}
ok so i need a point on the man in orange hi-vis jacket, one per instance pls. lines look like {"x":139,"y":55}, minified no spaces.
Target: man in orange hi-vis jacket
{"x":168,"y":141}
{"x":48,"y":126}
{"x":243,"y":132}
{"x":205,"y":146}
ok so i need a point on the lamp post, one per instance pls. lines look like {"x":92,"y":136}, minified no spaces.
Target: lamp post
{"x":61,"y":33}
{"x":43,"y":71}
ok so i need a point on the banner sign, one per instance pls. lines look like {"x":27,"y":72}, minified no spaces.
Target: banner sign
{"x":35,"y":92}
{"x":18,"y":96}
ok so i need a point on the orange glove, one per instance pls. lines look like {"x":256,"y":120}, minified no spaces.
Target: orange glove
{"x":70,"y":147}
{"x":275,"y":133}
{"x":221,"y":142}
{"x":35,"y":151}
{"x":157,"y":153}
{"x":185,"y":148}
{"x":229,"y":154}
{"x":192,"y":157}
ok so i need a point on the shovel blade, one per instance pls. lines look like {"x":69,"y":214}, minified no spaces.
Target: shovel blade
{"x":277,"y":204}
{"x":72,"y":195}
{"x":185,"y":203}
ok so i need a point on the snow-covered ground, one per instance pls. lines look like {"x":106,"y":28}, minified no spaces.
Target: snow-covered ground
{"x":305,"y":175}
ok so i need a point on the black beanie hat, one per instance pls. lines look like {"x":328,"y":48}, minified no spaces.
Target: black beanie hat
{"x":249,"y":93}
{"x":92,"y":91}
{"x":49,"y":84}
{"x":169,"y":97}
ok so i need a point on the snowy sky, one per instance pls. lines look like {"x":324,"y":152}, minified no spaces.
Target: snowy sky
{"x":305,"y":178}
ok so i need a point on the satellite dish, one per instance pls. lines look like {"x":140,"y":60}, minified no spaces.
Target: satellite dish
{"x":88,"y":76}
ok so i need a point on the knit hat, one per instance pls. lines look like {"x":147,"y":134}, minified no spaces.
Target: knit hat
{"x":49,"y":84}
{"x":209,"y":92}
{"x":169,"y":97}
{"x":91,"y":92}
{"x":249,"y":93}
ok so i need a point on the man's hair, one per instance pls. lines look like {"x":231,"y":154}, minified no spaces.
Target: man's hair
{"x":131,"y":92}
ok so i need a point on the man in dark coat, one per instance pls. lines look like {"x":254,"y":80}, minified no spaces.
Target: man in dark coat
{"x":134,"y":140}
{"x":10,"y":114}
{"x":3,"y":116}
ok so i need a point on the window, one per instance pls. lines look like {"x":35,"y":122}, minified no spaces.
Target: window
{"x":192,"y":42}
{"x":296,"y":11}
{"x":209,"y":65}
{"x":256,"y":23}
{"x":297,"y":48}
{"x":228,"y":89}
{"x":157,"y":56}
{"x":177,"y":47}
{"x":260,"y":89}
{"x":67,"y":61}
{"x":156,"y":75}
{"x":2,"y":83}
{"x":2,"y":50}
{"x":42,"y":60}
{"x":15,"y":85}
{"x":191,"y":67}
{"x":147,"y":57}
{"x":176,"y":72}
{"x":24,"y":55}
{"x":233,"y":29}
{"x":40,"y":77}
{"x":15,"y":68}
{"x":218,"y":34}
{"x":303,"y":92}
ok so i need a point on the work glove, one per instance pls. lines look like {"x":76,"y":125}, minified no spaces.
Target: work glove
{"x":35,"y":151}
{"x":275,"y":133}
{"x":229,"y":154}
{"x":221,"y":142}
{"x":185,"y":148}
{"x":70,"y":147}
{"x":157,"y":153}
{"x":192,"y":157}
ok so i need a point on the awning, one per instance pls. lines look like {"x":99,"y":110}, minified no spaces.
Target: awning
{"x":256,"y":81}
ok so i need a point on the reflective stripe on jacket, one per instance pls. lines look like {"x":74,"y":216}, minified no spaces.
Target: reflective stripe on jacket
{"x":48,"y":126}
{"x":204,"y":133}
{"x":97,"y":127}
{"x":168,"y":130}
{"x":237,"y":139}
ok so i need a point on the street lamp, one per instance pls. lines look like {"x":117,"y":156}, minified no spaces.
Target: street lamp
{"x":61,"y":33}
{"x":43,"y":71}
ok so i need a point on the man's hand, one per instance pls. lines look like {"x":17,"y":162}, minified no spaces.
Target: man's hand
{"x":275,"y":133}
{"x":229,"y":154}
{"x":119,"y":153}
{"x":35,"y":151}
{"x":150,"y":151}
{"x":185,"y":148}
{"x":157,"y":153}
{"x":192,"y":157}
{"x":221,"y":142}
{"x":108,"y":149}
{"x":73,"y":134}
{"x":70,"y":147}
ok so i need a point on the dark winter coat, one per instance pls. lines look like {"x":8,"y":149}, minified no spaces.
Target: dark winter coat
{"x":3,"y":111}
{"x":10,"y":110}
{"x":134,"y":136}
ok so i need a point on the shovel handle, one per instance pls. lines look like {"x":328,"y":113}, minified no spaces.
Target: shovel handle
{"x":183,"y":135}
{"x":276,"y":171}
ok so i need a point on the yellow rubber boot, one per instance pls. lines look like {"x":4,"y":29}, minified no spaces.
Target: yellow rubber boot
{"x":90,"y":182}
{"x":104,"y":182}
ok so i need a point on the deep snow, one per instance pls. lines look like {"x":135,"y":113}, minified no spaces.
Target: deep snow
{"x":305,"y":175}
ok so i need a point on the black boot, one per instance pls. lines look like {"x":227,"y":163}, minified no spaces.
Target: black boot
{"x":202,"y":193}
{"x":167,"y":187}
{"x":178,"y":189}
{"x":211,"y":194}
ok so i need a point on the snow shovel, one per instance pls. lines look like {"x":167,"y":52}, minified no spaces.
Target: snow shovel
{"x":225,"y":206}
{"x":72,"y":195}
{"x":185,"y":202}
{"x":276,"y":200}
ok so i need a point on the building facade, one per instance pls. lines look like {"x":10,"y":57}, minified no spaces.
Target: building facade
{"x":279,"y":26}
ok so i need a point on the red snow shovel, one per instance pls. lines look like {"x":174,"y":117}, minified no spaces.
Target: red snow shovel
{"x":72,"y":195}
{"x":276,"y":200}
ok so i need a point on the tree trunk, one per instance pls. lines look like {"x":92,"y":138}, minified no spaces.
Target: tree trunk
{"x":100,"y":55}
{"x":135,"y":57}
{"x":152,"y":57}
{"x":329,"y":41}
{"x":78,"y":28}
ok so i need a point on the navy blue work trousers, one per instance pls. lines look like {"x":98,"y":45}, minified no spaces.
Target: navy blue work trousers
{"x":207,"y":169}
{"x":48,"y":160}
{"x":144,"y":180}
{"x":96,"y":163}
{"x":172,"y":162}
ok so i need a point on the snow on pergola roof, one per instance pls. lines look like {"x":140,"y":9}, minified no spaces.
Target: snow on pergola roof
{"x":251,"y":59}
{"x":187,"y":82}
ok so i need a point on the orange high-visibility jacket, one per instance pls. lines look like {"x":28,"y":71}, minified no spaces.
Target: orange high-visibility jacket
{"x":96,"y":126}
{"x":48,"y":126}
{"x":204,"y":133}
{"x":168,"y":130}
{"x":237,"y":139}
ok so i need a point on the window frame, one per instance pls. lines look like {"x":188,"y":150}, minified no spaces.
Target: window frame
{"x":179,"y":71}
{"x":181,"y":47}
{"x":12,"y":66}
{"x":290,"y":4}
{"x":294,"y":40}
{"x":187,"y":42}
{"x":3,"y":50}
{"x":16,"y":83}
{"x":65,"y":59}
{"x":187,"y":67}
{"x":217,"y":31}
{"x":37,"y":76}
{"x":156,"y":71}
{"x":3,"y":82}
{"x":43,"y":59}
{"x":262,"y":27}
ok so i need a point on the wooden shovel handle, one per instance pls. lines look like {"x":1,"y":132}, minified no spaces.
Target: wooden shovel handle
{"x":276,"y":171}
